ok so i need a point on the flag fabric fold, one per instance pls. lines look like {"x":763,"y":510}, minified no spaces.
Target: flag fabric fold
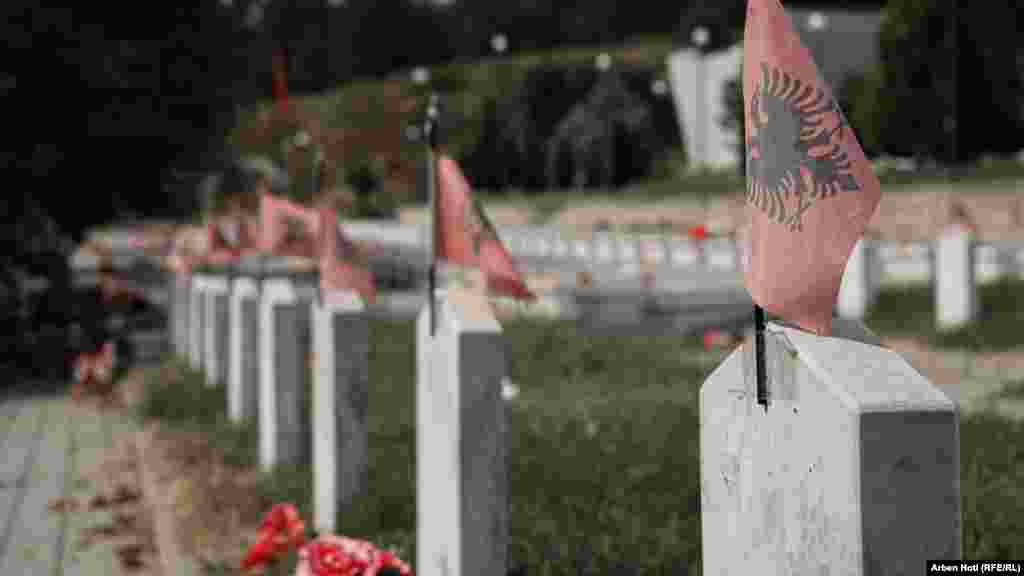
{"x":339,"y":268}
{"x":287,"y":229}
{"x":227,"y":243}
{"x":464,"y":236}
{"x":810,"y":189}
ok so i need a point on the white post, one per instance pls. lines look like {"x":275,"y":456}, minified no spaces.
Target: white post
{"x":184,"y":315}
{"x":340,"y":390}
{"x":179,"y":313}
{"x":854,"y":468}
{"x":856,"y":291}
{"x":955,"y":296}
{"x":461,"y":465}
{"x":283,"y":368}
{"x":581,"y":249}
{"x":172,"y":310}
{"x":543,"y":247}
{"x":561,"y":248}
{"x":215,"y":330}
{"x":683,"y":253}
{"x":627,"y":250}
{"x":720,"y":254}
{"x":243,"y":375}
{"x":602,"y":249}
{"x":197,"y":309}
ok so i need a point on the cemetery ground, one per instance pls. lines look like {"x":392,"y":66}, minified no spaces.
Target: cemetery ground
{"x":603,"y":437}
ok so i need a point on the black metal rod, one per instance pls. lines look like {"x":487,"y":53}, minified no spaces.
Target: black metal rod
{"x":431,"y":132}
{"x":432,"y":286}
{"x":760,"y":376}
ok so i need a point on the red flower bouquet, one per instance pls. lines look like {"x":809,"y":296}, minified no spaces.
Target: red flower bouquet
{"x":93,"y":372}
{"x":326,"y":555}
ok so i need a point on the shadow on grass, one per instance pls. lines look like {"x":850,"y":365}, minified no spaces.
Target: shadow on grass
{"x":604,"y":455}
{"x":910,"y":311}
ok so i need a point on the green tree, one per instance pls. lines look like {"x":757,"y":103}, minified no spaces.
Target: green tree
{"x":939,"y":62}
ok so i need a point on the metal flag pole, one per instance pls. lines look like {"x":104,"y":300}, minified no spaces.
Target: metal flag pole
{"x":430,"y":130}
{"x":759,"y":374}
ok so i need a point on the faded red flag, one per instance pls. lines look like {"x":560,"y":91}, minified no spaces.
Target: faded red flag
{"x":286,"y":228}
{"x":464,"y":236}
{"x":339,"y":269}
{"x":222,"y":247}
{"x":271,"y":231}
{"x":810,"y":190}
{"x":280,"y":74}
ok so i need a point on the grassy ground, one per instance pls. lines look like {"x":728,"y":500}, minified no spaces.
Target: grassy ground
{"x":910,"y":311}
{"x":604,"y":450}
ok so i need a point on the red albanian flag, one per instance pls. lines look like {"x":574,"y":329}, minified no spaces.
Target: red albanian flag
{"x":339,"y":269}
{"x":464,"y":236}
{"x":287,"y":229}
{"x":810,"y":190}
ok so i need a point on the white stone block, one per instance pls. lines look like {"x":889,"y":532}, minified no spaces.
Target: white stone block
{"x":340,"y":458}
{"x":627,"y":250}
{"x":543,"y":247}
{"x":461,"y":453}
{"x":276,"y":292}
{"x":856,"y":293}
{"x":197,"y":313}
{"x":560,"y":249}
{"x":242,"y":289}
{"x":216,"y":286}
{"x":988,"y":267}
{"x":684,"y":253}
{"x":720,"y":256}
{"x":602,"y":248}
{"x":581,"y":249}
{"x":853,"y":469}
{"x":955,"y":288}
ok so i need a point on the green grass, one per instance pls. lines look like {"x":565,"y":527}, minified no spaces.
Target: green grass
{"x":995,"y":172}
{"x":177,"y":397}
{"x":910,"y":311}
{"x":604,"y":454}
{"x":992,"y":487}
{"x":1013,"y":390}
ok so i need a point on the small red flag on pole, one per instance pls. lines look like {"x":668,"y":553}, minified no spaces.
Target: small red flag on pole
{"x":810,"y":189}
{"x":287,"y":229}
{"x":339,"y":269}
{"x":465,"y":236}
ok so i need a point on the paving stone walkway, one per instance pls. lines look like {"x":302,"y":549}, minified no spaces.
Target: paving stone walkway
{"x":63,"y":511}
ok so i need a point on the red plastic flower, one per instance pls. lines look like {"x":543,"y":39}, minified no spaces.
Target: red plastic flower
{"x":332,"y":555}
{"x":718,"y":339}
{"x":260,"y":554}
{"x":281,"y":529}
{"x":328,"y":555}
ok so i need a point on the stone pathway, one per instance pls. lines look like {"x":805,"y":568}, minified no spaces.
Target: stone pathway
{"x":69,"y":500}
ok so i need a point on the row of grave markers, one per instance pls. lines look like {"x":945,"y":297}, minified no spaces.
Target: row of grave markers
{"x":289,"y":360}
{"x":953,"y":265}
{"x":893,"y":262}
{"x":255,"y":334}
{"x":855,"y":464}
